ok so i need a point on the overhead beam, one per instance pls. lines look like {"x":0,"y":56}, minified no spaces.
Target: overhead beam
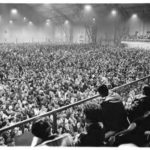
{"x":62,"y":14}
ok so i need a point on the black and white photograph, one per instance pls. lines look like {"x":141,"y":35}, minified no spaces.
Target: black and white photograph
{"x":74,"y":75}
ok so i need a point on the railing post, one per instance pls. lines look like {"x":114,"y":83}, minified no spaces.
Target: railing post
{"x":22,"y":128}
{"x":55,"y":123}
{"x":148,"y":80}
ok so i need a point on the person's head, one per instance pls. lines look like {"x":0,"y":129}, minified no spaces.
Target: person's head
{"x":94,"y":123}
{"x":92,"y":112}
{"x":103,"y":90}
{"x":146,"y":90}
{"x":41,"y":129}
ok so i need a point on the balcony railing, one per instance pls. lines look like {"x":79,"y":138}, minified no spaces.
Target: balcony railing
{"x":54,"y":112}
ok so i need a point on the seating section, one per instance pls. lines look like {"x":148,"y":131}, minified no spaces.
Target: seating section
{"x":38,"y":78}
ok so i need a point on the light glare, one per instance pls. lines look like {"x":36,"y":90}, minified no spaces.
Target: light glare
{"x":10,"y":22}
{"x":24,"y":18}
{"x":48,"y":20}
{"x":114,"y":12}
{"x":66,"y":22}
{"x":47,"y":23}
{"x":93,"y":19}
{"x":30,"y":23}
{"x":134,"y":16}
{"x":14,"y":11}
{"x":88,"y":7}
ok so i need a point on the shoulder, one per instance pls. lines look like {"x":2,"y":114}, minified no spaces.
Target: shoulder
{"x":145,"y":101}
{"x":67,"y":140}
{"x":113,"y":97}
{"x":79,"y":139}
{"x":59,"y":140}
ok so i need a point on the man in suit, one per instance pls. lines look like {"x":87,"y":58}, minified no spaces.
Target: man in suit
{"x":113,"y":112}
{"x":142,"y":104}
{"x":137,"y":133}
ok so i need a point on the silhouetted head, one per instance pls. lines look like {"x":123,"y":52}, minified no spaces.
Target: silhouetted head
{"x":146,"y":90}
{"x":103,"y":90}
{"x":41,"y":129}
{"x":93,"y":112}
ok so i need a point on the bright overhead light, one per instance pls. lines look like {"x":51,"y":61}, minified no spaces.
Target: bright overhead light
{"x":14,"y":11}
{"x":24,"y":18}
{"x":47,"y":23}
{"x":93,"y":19}
{"x":88,"y":7}
{"x":10,"y":22}
{"x":134,"y":16}
{"x":48,"y":20}
{"x":114,"y":12}
{"x":30,"y":23}
{"x":66,"y":22}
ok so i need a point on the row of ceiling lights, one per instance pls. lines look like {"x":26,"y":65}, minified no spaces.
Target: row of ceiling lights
{"x":88,"y":8}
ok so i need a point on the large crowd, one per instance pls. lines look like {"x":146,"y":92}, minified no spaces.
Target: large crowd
{"x":38,"y":78}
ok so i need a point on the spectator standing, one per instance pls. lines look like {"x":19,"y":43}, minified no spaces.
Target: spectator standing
{"x":113,"y":112}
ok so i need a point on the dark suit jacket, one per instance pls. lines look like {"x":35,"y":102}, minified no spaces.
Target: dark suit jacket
{"x":93,"y":137}
{"x":143,"y":105}
{"x":114,"y":115}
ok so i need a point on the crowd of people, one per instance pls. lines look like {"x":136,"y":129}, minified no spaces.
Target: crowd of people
{"x":106,"y":124}
{"x":138,"y":37}
{"x":38,"y":78}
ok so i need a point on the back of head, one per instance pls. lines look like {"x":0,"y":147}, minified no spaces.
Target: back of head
{"x":103,"y":90}
{"x":93,"y":112}
{"x":146,"y":90}
{"x":41,"y":129}
{"x":94,"y":125}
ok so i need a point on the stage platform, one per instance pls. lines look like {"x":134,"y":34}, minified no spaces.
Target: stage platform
{"x":138,"y":44}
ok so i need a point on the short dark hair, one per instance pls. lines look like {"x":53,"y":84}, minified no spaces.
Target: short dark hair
{"x":41,"y":129}
{"x":103,"y":90}
{"x":93,"y":112}
{"x":146,"y":90}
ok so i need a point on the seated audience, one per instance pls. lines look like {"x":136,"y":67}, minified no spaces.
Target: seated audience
{"x":36,"y":78}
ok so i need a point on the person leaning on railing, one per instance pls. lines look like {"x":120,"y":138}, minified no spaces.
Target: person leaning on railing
{"x":141,"y":104}
{"x":113,"y":112}
{"x":137,"y":133}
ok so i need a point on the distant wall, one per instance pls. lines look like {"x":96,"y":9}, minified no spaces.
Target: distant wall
{"x":108,"y":30}
{"x":140,"y":25}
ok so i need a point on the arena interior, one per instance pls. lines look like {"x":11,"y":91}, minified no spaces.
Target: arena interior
{"x":75,"y":75}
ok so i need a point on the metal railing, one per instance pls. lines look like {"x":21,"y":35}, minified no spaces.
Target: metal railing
{"x":54,"y":112}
